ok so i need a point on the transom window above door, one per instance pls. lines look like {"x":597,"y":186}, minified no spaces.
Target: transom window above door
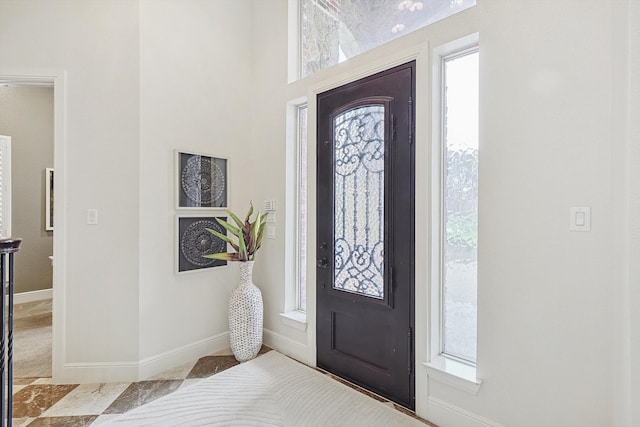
{"x":332,"y":31}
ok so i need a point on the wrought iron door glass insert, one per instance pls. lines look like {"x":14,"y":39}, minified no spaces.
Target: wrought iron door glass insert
{"x":359,"y":200}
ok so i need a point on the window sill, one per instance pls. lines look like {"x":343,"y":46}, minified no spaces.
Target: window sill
{"x":454,"y":373}
{"x":295,"y":319}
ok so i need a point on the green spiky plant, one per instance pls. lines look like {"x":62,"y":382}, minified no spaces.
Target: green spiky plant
{"x":248,"y":235}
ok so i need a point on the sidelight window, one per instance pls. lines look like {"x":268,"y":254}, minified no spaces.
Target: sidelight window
{"x":301,"y":209}
{"x":459,"y":205}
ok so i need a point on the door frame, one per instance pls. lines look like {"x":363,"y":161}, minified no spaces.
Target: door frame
{"x":360,"y":67}
{"x":58,"y":79}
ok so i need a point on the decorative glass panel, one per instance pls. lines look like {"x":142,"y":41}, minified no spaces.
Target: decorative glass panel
{"x":332,"y":31}
{"x":359,"y":200}
{"x":460,"y":258}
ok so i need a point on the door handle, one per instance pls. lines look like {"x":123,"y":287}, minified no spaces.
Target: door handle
{"x":323,"y":262}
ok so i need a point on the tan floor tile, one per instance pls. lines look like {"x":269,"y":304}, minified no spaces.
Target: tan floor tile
{"x":140,"y":393}
{"x":22,"y":381}
{"x":18,"y":387}
{"x":210,"y":365}
{"x":104,"y":418}
{"x":178,"y":373}
{"x":21,"y":422}
{"x":87,"y":399}
{"x":33,"y":400}
{"x":77,"y":421}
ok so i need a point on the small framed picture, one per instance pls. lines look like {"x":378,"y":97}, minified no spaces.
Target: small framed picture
{"x":48,"y":199}
{"x":193,"y":241}
{"x":201,"y":181}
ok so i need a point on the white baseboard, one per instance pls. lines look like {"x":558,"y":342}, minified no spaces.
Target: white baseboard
{"x":100,"y":372}
{"x":155,"y":364}
{"x":31,"y":296}
{"x":444,"y":414}
{"x":97,"y":372}
{"x":285,"y":346}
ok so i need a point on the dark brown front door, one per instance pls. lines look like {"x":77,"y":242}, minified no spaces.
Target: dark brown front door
{"x":365,"y":233}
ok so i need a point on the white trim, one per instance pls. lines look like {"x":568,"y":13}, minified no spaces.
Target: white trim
{"x":170,"y":359}
{"x":40,"y":295}
{"x":102,"y":372}
{"x":444,"y":414}
{"x":435,"y":232}
{"x":97,"y":372}
{"x":295,"y":319}
{"x":48,"y":184}
{"x":454,"y":373}
{"x":286,"y":346}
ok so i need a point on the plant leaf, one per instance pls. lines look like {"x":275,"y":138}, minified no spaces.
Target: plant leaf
{"x":233,"y":230}
{"x":223,"y":256}
{"x":242,"y":250}
{"x":235,"y":218}
{"x":249,"y":213}
{"x":260,"y":234}
{"x":223,"y":237}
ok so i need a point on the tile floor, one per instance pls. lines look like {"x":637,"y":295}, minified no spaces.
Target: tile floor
{"x":39,"y":403}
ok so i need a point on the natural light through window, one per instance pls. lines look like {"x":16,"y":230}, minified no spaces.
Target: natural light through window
{"x":301,"y":193}
{"x":332,"y":31}
{"x":460,"y":206}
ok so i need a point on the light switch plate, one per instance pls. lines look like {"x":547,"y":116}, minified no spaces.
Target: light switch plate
{"x":269,"y":205}
{"x":271,"y":232}
{"x":580,"y":218}
{"x":92,"y":216}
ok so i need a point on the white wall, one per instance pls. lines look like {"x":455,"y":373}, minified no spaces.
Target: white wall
{"x":546,"y":295}
{"x":195,"y":82}
{"x":94,"y":42}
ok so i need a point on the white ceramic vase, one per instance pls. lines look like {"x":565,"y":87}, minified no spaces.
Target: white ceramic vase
{"x":245,"y":316}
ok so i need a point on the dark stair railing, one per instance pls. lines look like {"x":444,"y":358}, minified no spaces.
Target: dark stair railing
{"x":8,"y":247}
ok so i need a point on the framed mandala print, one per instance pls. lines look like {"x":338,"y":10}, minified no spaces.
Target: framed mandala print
{"x":193,"y":241}
{"x":201,"y":181}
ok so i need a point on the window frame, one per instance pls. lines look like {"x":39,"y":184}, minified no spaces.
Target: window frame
{"x":443,"y":107}
{"x":456,"y":372}
{"x":300,"y":228}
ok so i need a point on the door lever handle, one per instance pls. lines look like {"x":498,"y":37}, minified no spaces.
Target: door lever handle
{"x":323,"y":262}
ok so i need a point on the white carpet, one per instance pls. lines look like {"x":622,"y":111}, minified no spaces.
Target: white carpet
{"x":271,"y":390}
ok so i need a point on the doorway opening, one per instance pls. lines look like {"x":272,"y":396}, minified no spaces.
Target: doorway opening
{"x":41,"y":305}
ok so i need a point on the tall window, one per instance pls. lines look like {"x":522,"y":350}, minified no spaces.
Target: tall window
{"x":332,"y":31}
{"x":301,"y":203}
{"x":459,"y":216}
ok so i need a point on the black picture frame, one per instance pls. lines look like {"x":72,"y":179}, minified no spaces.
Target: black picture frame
{"x":193,"y":241}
